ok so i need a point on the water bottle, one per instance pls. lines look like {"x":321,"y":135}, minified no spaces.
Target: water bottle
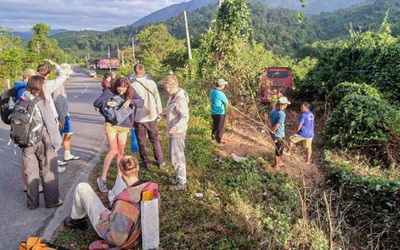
{"x":11,"y":103}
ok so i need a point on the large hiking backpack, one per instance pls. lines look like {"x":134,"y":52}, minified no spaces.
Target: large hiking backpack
{"x":7,"y":102}
{"x":25,"y":131}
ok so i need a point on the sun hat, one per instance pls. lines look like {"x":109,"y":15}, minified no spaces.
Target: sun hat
{"x":283,"y":100}
{"x":221,"y":82}
{"x":67,"y":68}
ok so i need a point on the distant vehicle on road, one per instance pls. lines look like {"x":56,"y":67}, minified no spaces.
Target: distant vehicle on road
{"x":275,"y":81}
{"x":91,"y":72}
{"x":112,"y":63}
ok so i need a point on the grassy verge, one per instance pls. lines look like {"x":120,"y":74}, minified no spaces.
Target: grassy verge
{"x":244,"y":205}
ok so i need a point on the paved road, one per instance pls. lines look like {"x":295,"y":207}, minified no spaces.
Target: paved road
{"x":17,"y":222}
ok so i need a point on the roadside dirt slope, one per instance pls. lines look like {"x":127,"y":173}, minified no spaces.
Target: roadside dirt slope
{"x":245,"y":138}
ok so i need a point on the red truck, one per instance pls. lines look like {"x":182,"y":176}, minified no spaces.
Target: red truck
{"x":112,"y":63}
{"x":274,"y":83}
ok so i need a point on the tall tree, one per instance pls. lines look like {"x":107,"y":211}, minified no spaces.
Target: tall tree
{"x":40,"y":46}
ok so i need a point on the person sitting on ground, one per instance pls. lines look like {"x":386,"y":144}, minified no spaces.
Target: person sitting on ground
{"x":304,"y":132}
{"x":119,"y":226}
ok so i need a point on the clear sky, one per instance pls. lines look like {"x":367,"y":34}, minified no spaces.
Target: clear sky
{"x":22,"y":15}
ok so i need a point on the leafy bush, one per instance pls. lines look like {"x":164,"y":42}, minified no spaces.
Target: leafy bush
{"x":364,"y":124}
{"x":345,"y":88}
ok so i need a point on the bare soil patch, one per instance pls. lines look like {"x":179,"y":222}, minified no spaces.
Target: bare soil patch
{"x":245,"y":138}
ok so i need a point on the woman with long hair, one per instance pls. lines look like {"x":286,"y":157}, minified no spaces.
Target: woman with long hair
{"x":117,"y":135}
{"x":40,"y":160}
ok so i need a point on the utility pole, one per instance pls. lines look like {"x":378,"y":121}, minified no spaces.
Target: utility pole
{"x":133,"y":51}
{"x":187,"y":37}
{"x":109,"y":58}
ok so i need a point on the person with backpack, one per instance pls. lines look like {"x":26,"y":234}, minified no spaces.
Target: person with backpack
{"x":121,"y":97}
{"x":39,"y":152}
{"x":20,"y":88}
{"x":146,"y":118}
{"x":119,"y":226}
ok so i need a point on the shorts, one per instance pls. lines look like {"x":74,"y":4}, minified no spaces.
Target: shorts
{"x":116,"y":129}
{"x":67,"y":127}
{"x":279,"y":145}
{"x":297,"y":138}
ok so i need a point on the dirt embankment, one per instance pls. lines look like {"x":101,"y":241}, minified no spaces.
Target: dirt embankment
{"x":245,"y":138}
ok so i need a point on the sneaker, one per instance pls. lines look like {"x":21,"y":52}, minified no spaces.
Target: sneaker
{"x":162,"y":164}
{"x":102,"y":185}
{"x":71,"y":158}
{"x":61,"y":169}
{"x":80,"y":224}
{"x":62,"y":163}
{"x":177,"y":187}
{"x":172,"y":181}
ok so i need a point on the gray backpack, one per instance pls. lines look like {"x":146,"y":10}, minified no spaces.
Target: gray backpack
{"x":25,"y":131}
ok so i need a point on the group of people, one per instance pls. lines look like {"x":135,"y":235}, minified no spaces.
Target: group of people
{"x":119,"y":224}
{"x":304,"y":131}
{"x":40,"y":162}
{"x":142,"y":99}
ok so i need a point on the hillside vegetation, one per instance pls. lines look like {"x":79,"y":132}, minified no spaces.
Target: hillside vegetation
{"x":248,"y":205}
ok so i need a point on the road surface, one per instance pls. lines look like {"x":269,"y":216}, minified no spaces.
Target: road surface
{"x":17,"y":222}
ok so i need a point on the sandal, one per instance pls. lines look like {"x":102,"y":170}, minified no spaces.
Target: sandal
{"x":60,"y":202}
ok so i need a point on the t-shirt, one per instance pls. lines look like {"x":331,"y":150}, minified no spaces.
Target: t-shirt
{"x":278,"y":117}
{"x":218,"y":102}
{"x":306,"y":120}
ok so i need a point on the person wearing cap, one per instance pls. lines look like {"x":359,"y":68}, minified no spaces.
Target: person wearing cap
{"x":277,"y":126}
{"x":218,"y":114}
{"x":64,"y":121}
{"x":304,"y":132}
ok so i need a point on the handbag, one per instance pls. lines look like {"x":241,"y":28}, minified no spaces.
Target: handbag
{"x":134,"y":142}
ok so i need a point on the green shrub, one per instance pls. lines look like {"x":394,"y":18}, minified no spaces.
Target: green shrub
{"x":345,"y":88}
{"x":364,"y":124}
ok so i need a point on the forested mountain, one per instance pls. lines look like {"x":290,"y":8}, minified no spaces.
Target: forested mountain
{"x":277,"y":28}
{"x":312,"y":7}
{"x":363,"y":17}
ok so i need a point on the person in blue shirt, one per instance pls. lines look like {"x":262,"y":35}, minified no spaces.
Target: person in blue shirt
{"x":218,"y":104}
{"x":277,"y":126}
{"x":304,"y":132}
